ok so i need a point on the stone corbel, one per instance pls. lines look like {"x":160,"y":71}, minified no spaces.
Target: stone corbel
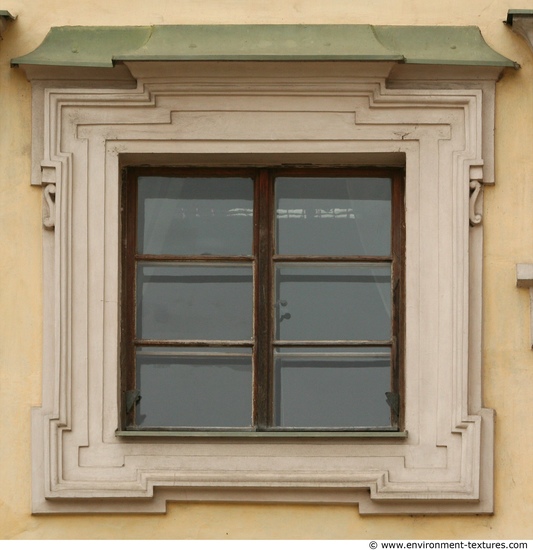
{"x":524,"y":279}
{"x":476,"y":187}
{"x":5,"y":16}
{"x":521,"y":21}
{"x":49,"y":182}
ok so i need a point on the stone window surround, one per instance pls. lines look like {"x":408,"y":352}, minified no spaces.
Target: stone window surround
{"x":436,"y":122}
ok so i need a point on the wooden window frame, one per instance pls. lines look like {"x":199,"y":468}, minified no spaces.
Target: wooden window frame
{"x":263,"y":259}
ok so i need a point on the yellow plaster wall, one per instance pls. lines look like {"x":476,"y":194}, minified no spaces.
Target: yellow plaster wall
{"x":508,"y":361}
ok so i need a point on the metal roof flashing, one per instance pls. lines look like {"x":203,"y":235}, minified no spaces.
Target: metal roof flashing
{"x":103,"y":47}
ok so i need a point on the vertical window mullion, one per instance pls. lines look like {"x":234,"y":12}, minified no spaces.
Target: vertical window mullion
{"x":129,"y":277}
{"x":263,"y":211}
{"x":397,"y":240}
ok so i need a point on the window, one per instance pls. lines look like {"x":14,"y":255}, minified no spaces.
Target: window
{"x":263,"y":299}
{"x":131,"y":104}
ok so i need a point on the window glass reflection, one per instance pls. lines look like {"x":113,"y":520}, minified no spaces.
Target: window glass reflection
{"x":192,"y":302}
{"x":332,"y":388}
{"x":192,"y":388}
{"x":333,"y":216}
{"x":333,"y":302}
{"x":195,"y":216}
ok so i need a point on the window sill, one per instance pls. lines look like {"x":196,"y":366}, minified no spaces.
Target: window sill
{"x":263,"y":435}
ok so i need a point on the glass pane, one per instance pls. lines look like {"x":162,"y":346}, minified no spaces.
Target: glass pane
{"x":192,"y":389}
{"x":194,"y":302}
{"x":340,"y":388}
{"x":198,"y":216}
{"x":333,"y":216}
{"x":333,"y":302}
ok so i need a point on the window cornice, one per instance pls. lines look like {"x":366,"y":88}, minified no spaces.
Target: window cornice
{"x":419,"y":45}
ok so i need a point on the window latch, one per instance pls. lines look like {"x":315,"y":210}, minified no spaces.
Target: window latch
{"x":393,"y":400}
{"x":132,"y":398}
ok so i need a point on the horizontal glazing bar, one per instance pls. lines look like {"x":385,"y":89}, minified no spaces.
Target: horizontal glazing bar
{"x":368,"y":260}
{"x":329,"y":354}
{"x":207,"y":259}
{"x":194,"y":343}
{"x":333,"y":343}
{"x":152,"y":353}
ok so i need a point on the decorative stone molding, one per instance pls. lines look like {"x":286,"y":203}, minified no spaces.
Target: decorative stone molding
{"x":49,"y":181}
{"x":49,"y":214}
{"x":268,"y":113}
{"x":476,"y":187}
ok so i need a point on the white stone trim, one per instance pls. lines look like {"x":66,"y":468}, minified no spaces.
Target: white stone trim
{"x":250,"y":111}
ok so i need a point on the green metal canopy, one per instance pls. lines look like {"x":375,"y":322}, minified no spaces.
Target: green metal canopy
{"x":105,"y":46}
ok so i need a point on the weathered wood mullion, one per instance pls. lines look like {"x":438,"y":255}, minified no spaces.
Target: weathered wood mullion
{"x":263,"y":300}
{"x":398,"y":296}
